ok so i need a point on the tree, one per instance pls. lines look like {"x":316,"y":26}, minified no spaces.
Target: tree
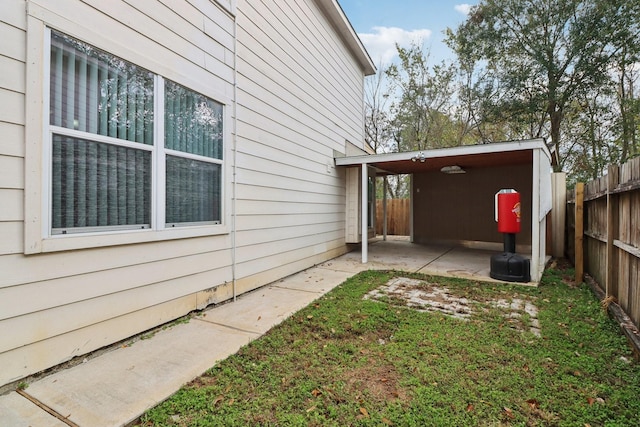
{"x":420,"y":113}
{"x":543,"y":54}
{"x":378,"y":132}
{"x":377,"y":120}
{"x":628,"y":101}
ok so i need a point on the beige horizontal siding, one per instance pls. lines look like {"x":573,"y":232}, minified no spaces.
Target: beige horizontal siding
{"x":12,"y":141}
{"x":12,"y":76}
{"x":302,"y":183}
{"x":20,"y":269}
{"x":12,"y":40}
{"x":11,"y":171}
{"x":289,"y":267}
{"x":268,"y":193}
{"x":318,"y":252}
{"x":11,"y":241}
{"x":156,"y":47}
{"x":266,"y":236}
{"x":12,"y":205}
{"x":299,"y":99}
{"x":72,"y":302}
{"x":292,"y":177}
{"x":12,"y":106}
{"x":320,"y":135}
{"x":37,"y":326}
{"x":40,"y":355}
{"x":257,"y":222}
{"x":38,"y":296}
{"x":298,"y":39}
{"x":287,"y":81}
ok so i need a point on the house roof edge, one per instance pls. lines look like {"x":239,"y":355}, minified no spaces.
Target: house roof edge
{"x":338,"y":18}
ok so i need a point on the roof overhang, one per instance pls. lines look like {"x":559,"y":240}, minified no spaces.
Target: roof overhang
{"x":466,"y":157}
{"x":337,"y":17}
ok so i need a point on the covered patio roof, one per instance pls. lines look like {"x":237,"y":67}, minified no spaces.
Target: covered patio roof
{"x":534,"y":152}
{"x":466,"y":156}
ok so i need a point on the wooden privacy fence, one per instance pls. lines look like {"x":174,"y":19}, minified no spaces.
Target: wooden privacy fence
{"x":397,"y":217}
{"x":603,"y":226}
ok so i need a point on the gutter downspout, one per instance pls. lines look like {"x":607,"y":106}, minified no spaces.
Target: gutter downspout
{"x":235,"y":151}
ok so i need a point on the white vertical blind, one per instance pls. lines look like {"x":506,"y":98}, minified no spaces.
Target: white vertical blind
{"x":94,"y":183}
{"x":193,"y":126}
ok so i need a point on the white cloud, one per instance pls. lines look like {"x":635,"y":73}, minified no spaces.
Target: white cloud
{"x":381,"y":44}
{"x":463,"y":8}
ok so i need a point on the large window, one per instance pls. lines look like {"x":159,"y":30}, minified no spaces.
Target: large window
{"x":129,"y":149}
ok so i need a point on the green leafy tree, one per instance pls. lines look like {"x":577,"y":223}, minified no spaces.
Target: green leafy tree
{"x":540,"y":56}
{"x":590,"y":127}
{"x":628,"y":100}
{"x":423,"y":101}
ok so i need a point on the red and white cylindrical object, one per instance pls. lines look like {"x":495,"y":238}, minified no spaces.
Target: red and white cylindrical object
{"x":508,"y":211}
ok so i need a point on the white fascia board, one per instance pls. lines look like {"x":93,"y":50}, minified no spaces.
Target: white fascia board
{"x":463,"y":150}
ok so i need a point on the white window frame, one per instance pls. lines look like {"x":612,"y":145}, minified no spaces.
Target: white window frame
{"x":158,"y":231}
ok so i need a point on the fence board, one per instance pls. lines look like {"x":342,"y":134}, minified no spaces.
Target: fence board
{"x":613,"y":179}
{"x":611,"y":218}
{"x":634,"y":290}
{"x":397,"y":217}
{"x":579,"y":232}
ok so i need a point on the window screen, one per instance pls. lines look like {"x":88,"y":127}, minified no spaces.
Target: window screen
{"x":104,"y":144}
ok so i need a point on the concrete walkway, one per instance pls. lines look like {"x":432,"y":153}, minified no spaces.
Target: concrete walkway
{"x":118,"y":386}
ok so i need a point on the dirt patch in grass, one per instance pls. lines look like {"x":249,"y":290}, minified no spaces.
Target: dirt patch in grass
{"x":378,"y":384}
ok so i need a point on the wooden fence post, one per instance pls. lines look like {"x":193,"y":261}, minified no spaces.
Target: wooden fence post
{"x":579,"y":232}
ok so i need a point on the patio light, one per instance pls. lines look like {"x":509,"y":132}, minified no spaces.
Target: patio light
{"x":452,"y":169}
{"x":420,"y":156}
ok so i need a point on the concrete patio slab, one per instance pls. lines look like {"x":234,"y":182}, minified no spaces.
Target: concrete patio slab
{"x":115,"y":388}
{"x":465,"y":263}
{"x":392,"y":254}
{"x":18,"y":411}
{"x":462,"y":262}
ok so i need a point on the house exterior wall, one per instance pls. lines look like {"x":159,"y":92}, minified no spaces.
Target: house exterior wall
{"x":460,"y":207}
{"x":299,"y":97}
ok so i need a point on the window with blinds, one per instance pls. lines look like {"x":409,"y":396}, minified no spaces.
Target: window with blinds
{"x":106,"y":153}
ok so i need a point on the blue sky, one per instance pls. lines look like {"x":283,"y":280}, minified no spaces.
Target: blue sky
{"x":382,"y":23}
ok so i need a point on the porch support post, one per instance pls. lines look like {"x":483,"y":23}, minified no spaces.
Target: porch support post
{"x":364,"y":213}
{"x":535,"y":219}
{"x":384,"y":208}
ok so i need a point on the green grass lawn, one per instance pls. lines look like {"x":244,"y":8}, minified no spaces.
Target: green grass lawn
{"x":346,"y":360}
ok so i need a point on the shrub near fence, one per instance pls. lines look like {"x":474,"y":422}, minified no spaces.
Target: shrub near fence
{"x":397,"y":217}
{"x":608,"y":248}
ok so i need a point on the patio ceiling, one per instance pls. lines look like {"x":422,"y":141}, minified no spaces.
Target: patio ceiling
{"x":467,"y":157}
{"x":466,"y":162}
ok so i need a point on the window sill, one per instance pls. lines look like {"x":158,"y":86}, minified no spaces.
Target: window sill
{"x":69,"y":242}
